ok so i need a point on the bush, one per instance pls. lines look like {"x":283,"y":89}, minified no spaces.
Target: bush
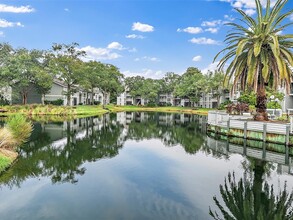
{"x":97,"y":102}
{"x":273,"y":105}
{"x":238,"y":108}
{"x":223,"y":105}
{"x":248,"y":98}
{"x":20,"y":128}
{"x":80,"y":103}
{"x":151,"y":104}
{"x":3,"y":101}
{"x":55,"y":102}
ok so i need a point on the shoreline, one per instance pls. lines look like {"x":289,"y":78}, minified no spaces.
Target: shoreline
{"x":91,"y":110}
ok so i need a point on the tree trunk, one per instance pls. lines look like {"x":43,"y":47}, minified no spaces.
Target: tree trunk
{"x":104,"y":98}
{"x":261,"y":102}
{"x":68,"y":95}
{"x":43,"y":99}
{"x":24,"y":98}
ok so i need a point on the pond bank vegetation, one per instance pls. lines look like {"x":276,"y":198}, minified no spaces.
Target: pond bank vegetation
{"x":90,"y":110}
{"x":16,"y":131}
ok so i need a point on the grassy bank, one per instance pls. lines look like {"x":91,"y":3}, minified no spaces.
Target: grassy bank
{"x":170,"y":109}
{"x":90,"y":110}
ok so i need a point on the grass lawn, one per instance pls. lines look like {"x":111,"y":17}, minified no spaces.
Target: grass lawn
{"x":171,"y":109}
{"x":90,"y":110}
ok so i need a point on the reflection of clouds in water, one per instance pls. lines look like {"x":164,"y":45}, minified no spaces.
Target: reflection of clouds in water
{"x":17,"y":200}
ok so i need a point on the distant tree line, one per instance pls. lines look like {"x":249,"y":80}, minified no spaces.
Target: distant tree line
{"x":191,"y":85}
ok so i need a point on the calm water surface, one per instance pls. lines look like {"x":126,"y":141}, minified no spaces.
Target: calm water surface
{"x":132,"y":166}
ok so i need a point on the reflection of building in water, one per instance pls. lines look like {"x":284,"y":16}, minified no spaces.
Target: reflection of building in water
{"x":283,"y":160}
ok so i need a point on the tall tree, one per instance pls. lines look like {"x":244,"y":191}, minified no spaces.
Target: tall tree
{"x":93,"y":73}
{"x":191,"y":85}
{"x":259,"y":54}
{"x":215,"y":84}
{"x":67,"y":66}
{"x":110,"y":82}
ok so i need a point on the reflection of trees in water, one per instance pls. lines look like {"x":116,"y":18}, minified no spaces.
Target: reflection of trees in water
{"x":63,"y":162}
{"x":252,"y":198}
{"x":63,"y":159}
{"x":186,"y":134}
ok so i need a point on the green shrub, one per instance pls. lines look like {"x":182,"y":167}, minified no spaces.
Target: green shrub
{"x":55,"y":102}
{"x":20,"y":127}
{"x":151,"y":104}
{"x":97,"y":102}
{"x":223,"y":105}
{"x":248,"y":98}
{"x":3,"y":101}
{"x":273,"y":105}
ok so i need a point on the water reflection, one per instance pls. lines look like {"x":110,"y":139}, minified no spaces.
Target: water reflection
{"x":59,"y":150}
{"x":148,"y":166}
{"x":252,"y":197}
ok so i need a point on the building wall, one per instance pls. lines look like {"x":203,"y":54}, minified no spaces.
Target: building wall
{"x":33,"y":97}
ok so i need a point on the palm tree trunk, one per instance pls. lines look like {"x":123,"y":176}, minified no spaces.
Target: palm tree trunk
{"x":261,"y":101}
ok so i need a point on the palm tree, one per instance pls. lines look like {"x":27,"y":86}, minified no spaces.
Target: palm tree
{"x":260,"y":56}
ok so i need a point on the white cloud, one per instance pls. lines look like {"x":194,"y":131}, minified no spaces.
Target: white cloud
{"x":134,"y":36}
{"x":212,"y":30}
{"x":191,"y":30}
{"x":213,"y":23}
{"x":291,"y":17}
{"x":196,"y":58}
{"x":2,"y":34}
{"x":153,"y":59}
{"x":247,"y":5}
{"x":133,"y":50}
{"x":15,"y":9}
{"x":137,"y":26}
{"x":148,"y":73}
{"x":66,"y":9}
{"x":203,"y":40}
{"x":115,"y":46}
{"x":4,"y":24}
{"x":211,"y":67}
{"x":250,"y":11}
{"x":99,"y":53}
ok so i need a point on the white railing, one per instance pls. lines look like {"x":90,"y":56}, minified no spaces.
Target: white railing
{"x":223,"y":119}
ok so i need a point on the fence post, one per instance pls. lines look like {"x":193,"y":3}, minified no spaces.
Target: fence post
{"x":245,"y":129}
{"x":264,"y":132}
{"x":287,"y":134}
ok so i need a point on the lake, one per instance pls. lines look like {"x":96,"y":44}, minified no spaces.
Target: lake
{"x":138,"y":166}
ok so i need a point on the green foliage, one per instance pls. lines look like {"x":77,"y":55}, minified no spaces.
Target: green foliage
{"x":223,"y":105}
{"x":20,"y":127}
{"x":191,"y":85}
{"x":57,"y":102}
{"x":4,"y":162}
{"x":247,"y":97}
{"x":283,"y":118}
{"x":273,"y":105}
{"x":257,"y":52}
{"x":248,"y":200}
{"x":3,"y":101}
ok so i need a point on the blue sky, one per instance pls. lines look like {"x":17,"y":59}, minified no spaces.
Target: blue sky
{"x":140,"y":37}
